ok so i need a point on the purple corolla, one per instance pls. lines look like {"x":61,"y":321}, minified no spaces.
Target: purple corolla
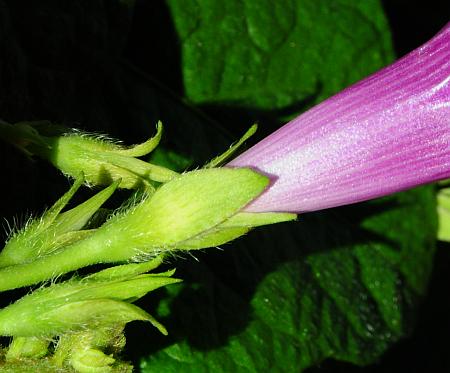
{"x":387,"y":133}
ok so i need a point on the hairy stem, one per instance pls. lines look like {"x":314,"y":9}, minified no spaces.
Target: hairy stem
{"x":48,"y":267}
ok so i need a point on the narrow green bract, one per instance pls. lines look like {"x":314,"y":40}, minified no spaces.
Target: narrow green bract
{"x":54,"y":229}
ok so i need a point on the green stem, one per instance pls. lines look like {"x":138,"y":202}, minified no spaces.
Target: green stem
{"x":78,"y":255}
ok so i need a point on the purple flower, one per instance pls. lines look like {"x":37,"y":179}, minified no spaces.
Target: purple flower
{"x":387,"y":133}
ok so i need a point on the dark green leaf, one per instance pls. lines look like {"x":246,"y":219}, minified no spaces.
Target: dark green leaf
{"x":272,"y":54}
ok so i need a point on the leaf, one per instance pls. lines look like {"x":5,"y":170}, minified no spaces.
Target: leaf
{"x":272,"y":54}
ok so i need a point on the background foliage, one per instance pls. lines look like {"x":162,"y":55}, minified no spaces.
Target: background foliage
{"x":342,"y":284}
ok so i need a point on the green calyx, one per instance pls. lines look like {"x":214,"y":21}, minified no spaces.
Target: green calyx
{"x":232,"y":228}
{"x":102,"y":160}
{"x":196,"y":210}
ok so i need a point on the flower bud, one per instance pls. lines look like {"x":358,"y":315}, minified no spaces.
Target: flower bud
{"x":99,"y":300}
{"x":101,"y":160}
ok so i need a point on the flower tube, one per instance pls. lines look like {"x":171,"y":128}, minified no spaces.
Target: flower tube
{"x":386,"y":133}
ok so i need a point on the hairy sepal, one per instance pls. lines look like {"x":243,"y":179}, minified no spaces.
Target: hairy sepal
{"x":232,"y":228}
{"x":81,"y":304}
{"x":54,"y":229}
{"x":179,"y":210}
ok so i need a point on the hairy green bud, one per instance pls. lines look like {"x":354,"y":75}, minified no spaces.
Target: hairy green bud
{"x":99,"y":300}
